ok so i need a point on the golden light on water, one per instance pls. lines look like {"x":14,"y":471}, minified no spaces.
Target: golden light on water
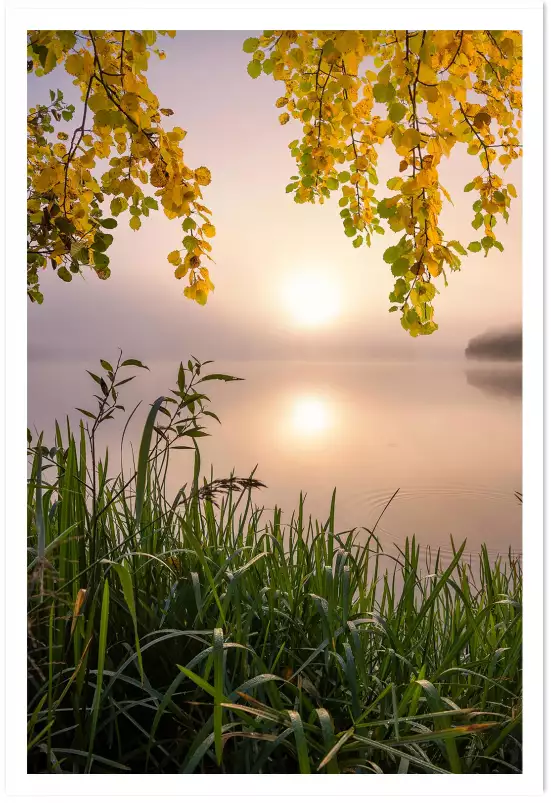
{"x":311,"y":299}
{"x":311,"y":416}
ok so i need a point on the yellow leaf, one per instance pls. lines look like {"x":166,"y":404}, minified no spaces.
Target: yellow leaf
{"x":433,"y":267}
{"x":174,"y":258}
{"x":130,"y":102}
{"x":383,"y":128}
{"x":409,"y":187}
{"x":427,"y":74}
{"x":410,"y":139}
{"x":81,"y":596}
{"x":46,"y":179}
{"x":430,"y":93}
{"x":177,"y":134}
{"x":209,"y":230}
{"x":74,"y":64}
{"x":446,"y":194}
{"x":60,"y":150}
{"x":347,"y":41}
{"x":98,"y":101}
{"x":203,"y":176}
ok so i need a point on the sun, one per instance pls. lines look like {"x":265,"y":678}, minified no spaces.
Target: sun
{"x":312,"y":300}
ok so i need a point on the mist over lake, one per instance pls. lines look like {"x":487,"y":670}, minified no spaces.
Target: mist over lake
{"x":447,"y":434}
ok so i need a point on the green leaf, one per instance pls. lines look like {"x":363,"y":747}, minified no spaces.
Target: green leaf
{"x":118,"y":205}
{"x":218,"y":658}
{"x":222,"y":377}
{"x":391,"y":254}
{"x":109,"y":223}
{"x":128,"y":591}
{"x":86,"y":412}
{"x":102,"y":648}
{"x":396,"y":112}
{"x":143,"y":460}
{"x":469,"y":187}
{"x":151,"y":203}
{"x":190,"y":242}
{"x":385,"y":210}
{"x":101,"y":260}
{"x":64,"y":225}
{"x":134,"y":362}
{"x":400,"y":289}
{"x":64,"y":274}
{"x":102,"y":242}
{"x":300,"y":741}
{"x":456,"y":245}
{"x":254,"y":68}
{"x":487,"y":242}
{"x":383,"y":93}
{"x":400,"y":267}
{"x":474,"y":247}
{"x":250,"y":45}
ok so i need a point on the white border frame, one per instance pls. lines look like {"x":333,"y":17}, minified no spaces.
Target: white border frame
{"x":530,"y":20}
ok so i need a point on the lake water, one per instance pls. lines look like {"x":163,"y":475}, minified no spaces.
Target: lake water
{"x":447,"y":434}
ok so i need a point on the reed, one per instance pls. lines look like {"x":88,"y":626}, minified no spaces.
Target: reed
{"x":200,"y":634}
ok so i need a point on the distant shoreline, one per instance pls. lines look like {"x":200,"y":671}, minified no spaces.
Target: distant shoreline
{"x":496,"y":346}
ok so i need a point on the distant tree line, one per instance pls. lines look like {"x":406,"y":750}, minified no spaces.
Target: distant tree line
{"x":496,"y":346}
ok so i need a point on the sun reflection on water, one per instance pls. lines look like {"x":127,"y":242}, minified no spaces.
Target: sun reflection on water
{"x":311,"y":417}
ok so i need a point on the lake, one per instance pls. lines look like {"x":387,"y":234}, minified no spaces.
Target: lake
{"x":447,"y":434}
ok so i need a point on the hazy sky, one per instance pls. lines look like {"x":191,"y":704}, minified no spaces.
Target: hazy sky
{"x":265,"y":243}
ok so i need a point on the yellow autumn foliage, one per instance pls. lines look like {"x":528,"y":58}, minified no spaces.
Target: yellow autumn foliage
{"x":119,"y":121}
{"x":422,"y":92}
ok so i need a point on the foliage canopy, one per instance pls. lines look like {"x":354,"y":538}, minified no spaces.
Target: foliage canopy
{"x":121,"y":122}
{"x":352,"y":92}
{"x":423,"y":91}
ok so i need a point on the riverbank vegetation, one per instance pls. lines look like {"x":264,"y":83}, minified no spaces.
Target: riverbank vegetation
{"x":202,"y":634}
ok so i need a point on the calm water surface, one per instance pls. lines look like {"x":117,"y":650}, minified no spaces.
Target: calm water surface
{"x":447,"y":434}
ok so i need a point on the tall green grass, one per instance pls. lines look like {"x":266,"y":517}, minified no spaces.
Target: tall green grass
{"x":196,"y":634}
